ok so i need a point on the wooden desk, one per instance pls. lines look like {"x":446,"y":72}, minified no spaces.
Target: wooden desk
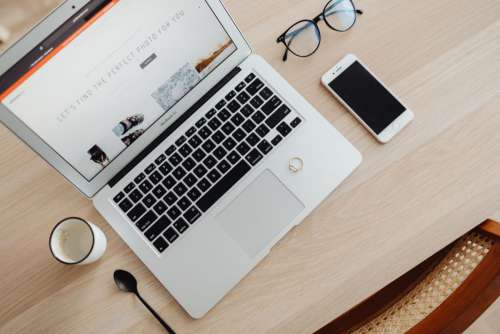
{"x":434,"y":182}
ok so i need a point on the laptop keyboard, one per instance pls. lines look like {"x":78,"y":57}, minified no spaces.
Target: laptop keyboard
{"x":173,"y":192}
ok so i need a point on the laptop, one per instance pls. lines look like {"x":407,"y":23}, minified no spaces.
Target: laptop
{"x":194,"y":149}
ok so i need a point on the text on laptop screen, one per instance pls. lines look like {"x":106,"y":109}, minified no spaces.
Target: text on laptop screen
{"x":98,"y":82}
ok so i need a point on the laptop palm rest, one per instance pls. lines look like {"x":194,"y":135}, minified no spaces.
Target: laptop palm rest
{"x":260,"y":213}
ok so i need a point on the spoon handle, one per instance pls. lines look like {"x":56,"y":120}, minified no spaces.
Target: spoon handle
{"x":164,"y":324}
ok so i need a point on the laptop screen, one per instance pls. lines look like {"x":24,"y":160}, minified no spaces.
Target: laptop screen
{"x":104,"y":77}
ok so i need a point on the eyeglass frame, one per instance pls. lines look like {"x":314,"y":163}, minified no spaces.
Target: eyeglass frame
{"x":314,"y":21}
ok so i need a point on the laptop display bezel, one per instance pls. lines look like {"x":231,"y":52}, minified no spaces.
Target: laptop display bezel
{"x":43,"y":30}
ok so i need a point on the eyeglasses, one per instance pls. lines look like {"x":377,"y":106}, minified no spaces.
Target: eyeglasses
{"x":304,"y":37}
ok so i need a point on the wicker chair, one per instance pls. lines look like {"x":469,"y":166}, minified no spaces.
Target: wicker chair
{"x":445,"y":294}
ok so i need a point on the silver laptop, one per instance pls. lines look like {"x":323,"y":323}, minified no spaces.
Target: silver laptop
{"x":197,"y":153}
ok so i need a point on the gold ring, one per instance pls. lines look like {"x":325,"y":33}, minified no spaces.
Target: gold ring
{"x":296,"y":164}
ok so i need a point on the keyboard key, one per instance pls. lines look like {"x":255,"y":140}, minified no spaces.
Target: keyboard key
{"x":170,"y":198}
{"x":129,"y":187}
{"x":200,"y":171}
{"x":262,"y":130}
{"x":256,"y":102}
{"x":296,"y":122}
{"x":174,"y":212}
{"x":239,"y":135}
{"x":253,"y":139}
{"x":220,"y":153}
{"x":258,"y":117}
{"x":266,"y":93}
{"x":156,"y":177}
{"x":231,"y":95}
{"x":170,"y":150}
{"x":175,"y":159}
{"x":224,"y":115}
{"x":237,"y":119}
{"x":191,"y":131}
{"x":249,"y":78}
{"x":195,"y":141}
{"x":125,"y":205}
{"x":240,"y":86}
{"x":226,"y":183}
{"x":255,"y":86}
{"x":136,"y":212}
{"x":184,"y":203}
{"x":185,"y":150}
{"x":118,"y":197}
{"x":271,"y":105}
{"x":194,"y":194}
{"x":276,"y":140}
{"x":205,"y":132}
{"x":169,"y":182}
{"x":218,"y":137}
{"x":171,"y":235}
{"x":135,"y":196}
{"x":180,"y":141}
{"x":160,"y":244}
{"x":214,"y":175}
{"x":149,"y":200}
{"x":223,"y":166}
{"x":201,"y":122}
{"x":249,"y":126}
{"x":220,"y":104}
{"x":243,"y":148}
{"x":247,"y":110}
{"x":160,"y":208}
{"x":214,"y":124}
{"x":165,"y":168}
{"x":199,"y":155}
{"x":233,"y":157}
{"x":146,"y":221}
{"x":190,"y":180}
{"x":208,"y":146}
{"x":210,"y":162}
{"x":243,"y":98}
{"x":254,"y":157}
{"x":158,"y":228}
{"x":228,"y":128}
{"x":284,"y":129}
{"x":146,"y":186}
{"x":229,"y":144}
{"x":234,"y":106}
{"x":179,"y":173}
{"x":160,"y":159}
{"x":181,"y":225}
{"x":188,"y":164}
{"x":150,"y":169}
{"x":265,"y":147}
{"x":139,"y":178}
{"x":192,"y":215}
{"x":211,"y":113}
{"x":278,"y":116}
{"x":204,"y":185}
{"x":159,"y":191}
{"x":180,"y":189}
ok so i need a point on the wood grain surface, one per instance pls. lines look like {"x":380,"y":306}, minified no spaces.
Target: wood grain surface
{"x":409,"y":198}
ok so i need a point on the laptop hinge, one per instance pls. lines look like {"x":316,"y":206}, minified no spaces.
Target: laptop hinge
{"x":173,"y":127}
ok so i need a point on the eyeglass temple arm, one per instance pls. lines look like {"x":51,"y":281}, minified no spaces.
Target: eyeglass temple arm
{"x":281,"y":39}
{"x":358,"y":11}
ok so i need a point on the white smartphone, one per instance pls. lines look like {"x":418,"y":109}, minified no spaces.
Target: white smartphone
{"x":359,"y":90}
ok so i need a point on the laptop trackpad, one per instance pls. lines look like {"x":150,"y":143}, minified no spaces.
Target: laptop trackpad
{"x":260,"y":213}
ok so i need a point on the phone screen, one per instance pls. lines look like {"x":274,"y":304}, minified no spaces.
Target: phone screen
{"x":374,"y":104}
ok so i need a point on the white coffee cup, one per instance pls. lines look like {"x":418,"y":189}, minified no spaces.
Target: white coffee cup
{"x":74,"y":241}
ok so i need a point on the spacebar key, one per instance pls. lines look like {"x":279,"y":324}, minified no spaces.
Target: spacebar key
{"x":226,"y":183}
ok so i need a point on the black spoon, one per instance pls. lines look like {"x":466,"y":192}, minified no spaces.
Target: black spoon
{"x":127,"y":282}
